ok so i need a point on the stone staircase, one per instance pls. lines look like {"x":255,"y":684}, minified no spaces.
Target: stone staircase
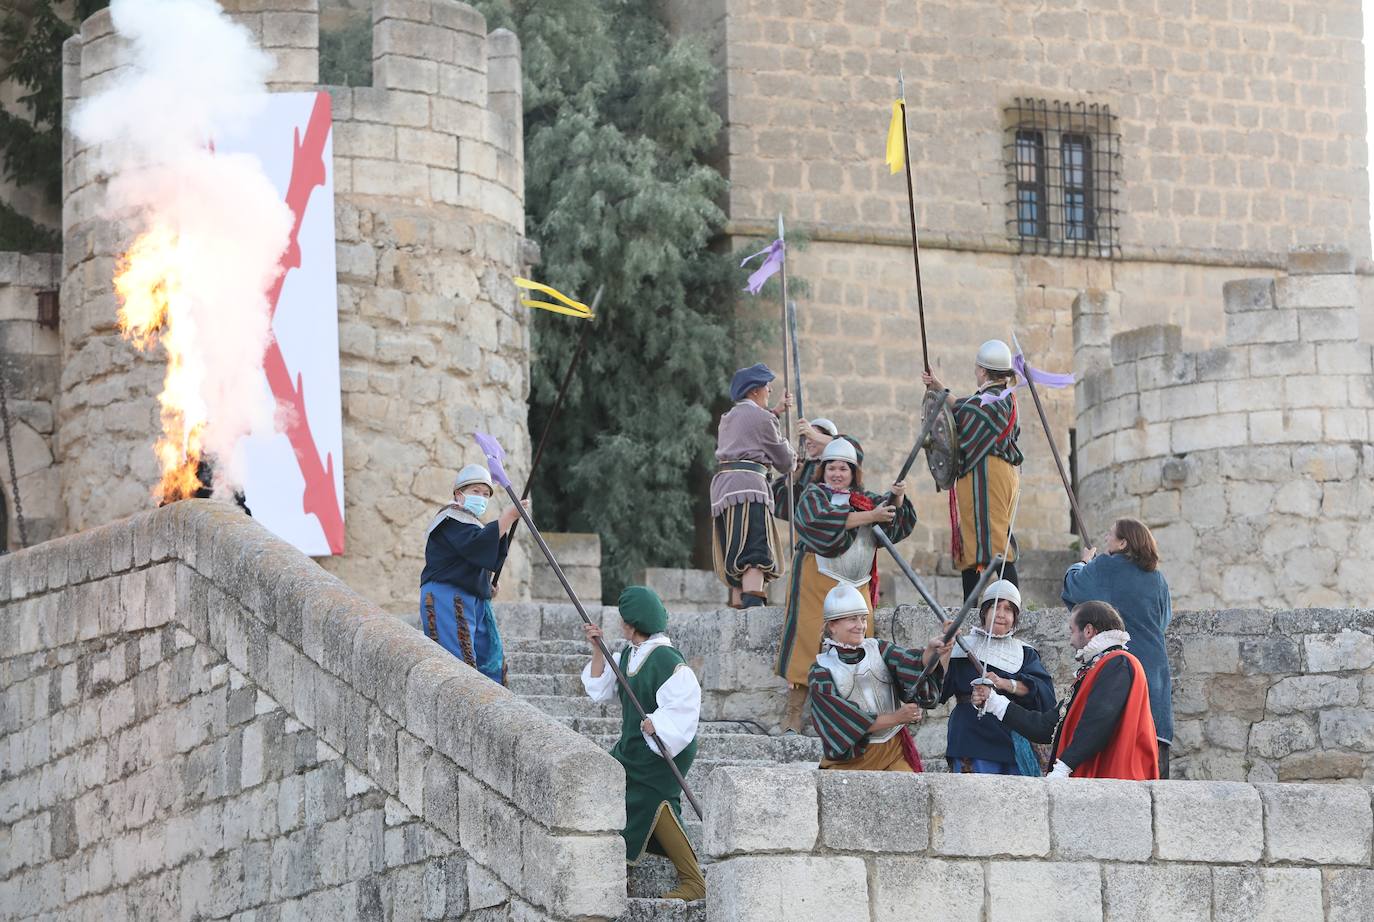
{"x":545,"y":673}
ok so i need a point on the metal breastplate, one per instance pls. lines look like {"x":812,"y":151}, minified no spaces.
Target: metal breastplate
{"x":866,"y":683}
{"x":854,"y":566}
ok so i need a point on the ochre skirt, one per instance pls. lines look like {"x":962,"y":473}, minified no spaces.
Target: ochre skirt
{"x":878,"y":757}
{"x":805,"y":620}
{"x":985,"y":497}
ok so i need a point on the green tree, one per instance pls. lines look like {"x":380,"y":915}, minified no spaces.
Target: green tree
{"x":618,"y":193}
{"x":31,"y":37}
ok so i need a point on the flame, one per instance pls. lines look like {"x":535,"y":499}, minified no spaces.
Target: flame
{"x":154,"y":308}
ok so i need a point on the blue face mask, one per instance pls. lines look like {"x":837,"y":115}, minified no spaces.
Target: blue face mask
{"x":477,"y":505}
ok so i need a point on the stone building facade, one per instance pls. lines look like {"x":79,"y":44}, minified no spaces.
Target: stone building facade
{"x":1250,"y":461}
{"x":429,"y":217}
{"x":1240,"y":130}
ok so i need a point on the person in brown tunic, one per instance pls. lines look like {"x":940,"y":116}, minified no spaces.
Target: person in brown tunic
{"x":747,"y":443}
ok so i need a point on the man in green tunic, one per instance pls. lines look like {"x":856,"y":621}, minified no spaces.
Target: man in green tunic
{"x":671,"y":696}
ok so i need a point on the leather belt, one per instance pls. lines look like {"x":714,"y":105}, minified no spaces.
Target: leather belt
{"x":752,"y":467}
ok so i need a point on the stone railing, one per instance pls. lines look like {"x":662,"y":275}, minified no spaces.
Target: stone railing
{"x":199,"y":722}
{"x":890,"y":847}
{"x":1258,"y":695}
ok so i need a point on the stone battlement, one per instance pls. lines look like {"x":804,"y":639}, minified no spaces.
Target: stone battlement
{"x":794,"y":844}
{"x":1251,"y":461}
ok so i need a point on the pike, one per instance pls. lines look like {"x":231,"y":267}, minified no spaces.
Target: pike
{"x":786,"y":388}
{"x":796,"y":355}
{"x":553,"y":414}
{"x":911,"y":209}
{"x":1083,"y":532}
{"x":952,"y":631}
{"x":494,"y":454}
{"x":921,"y":440}
{"x":910,"y":573}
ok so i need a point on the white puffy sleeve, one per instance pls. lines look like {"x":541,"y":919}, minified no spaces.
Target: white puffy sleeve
{"x":600,"y":689}
{"x":679,"y":709}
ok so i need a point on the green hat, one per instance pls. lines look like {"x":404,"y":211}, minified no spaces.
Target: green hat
{"x":641,"y":608}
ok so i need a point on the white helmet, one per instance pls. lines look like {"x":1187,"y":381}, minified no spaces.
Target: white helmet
{"x":825,"y":425}
{"x":844,"y":600}
{"x":840,"y":450}
{"x":994,"y":355}
{"x":471,"y":474}
{"x":1002,"y":589}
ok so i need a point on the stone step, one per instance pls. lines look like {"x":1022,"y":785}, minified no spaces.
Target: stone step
{"x":533,"y":663}
{"x":569,"y":706}
{"x":531,"y":645}
{"x":569,"y":686}
{"x":640,"y":909}
{"x":741,"y":747}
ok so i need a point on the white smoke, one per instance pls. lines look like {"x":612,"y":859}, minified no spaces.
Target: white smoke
{"x":196,"y":74}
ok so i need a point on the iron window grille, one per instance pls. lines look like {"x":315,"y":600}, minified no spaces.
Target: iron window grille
{"x":1063,"y":173}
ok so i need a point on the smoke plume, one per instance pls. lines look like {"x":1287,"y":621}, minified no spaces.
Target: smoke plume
{"x":195,"y":74}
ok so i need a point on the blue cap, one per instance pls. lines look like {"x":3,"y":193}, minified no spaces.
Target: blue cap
{"x":746,"y":379}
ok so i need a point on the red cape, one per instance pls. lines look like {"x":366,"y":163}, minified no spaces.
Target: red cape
{"x":1133,"y":752}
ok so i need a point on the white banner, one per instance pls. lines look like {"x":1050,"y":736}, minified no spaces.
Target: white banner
{"x":295,"y":470}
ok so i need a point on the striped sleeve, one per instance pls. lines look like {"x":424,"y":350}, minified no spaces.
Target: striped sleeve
{"x":979,"y":426}
{"x":820,"y":526}
{"x":905,"y":665}
{"x":842,"y":726}
{"x":905,"y":521}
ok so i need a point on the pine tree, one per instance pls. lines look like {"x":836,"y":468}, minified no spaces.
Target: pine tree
{"x":618,"y":193}
{"x":31,"y":140}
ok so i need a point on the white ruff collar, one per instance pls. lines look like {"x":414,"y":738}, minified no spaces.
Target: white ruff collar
{"x":455,"y":512}
{"x":1101,"y":642}
{"x":1005,"y":652}
{"x":831,"y":642}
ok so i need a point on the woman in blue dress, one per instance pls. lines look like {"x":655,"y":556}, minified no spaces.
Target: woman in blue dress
{"x":979,"y":746}
{"x":455,"y":586}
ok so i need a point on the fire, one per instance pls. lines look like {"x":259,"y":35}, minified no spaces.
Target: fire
{"x":154,"y":307}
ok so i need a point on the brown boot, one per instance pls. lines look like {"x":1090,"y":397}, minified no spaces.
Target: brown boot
{"x":690,"y":884}
{"x":796,"y":702}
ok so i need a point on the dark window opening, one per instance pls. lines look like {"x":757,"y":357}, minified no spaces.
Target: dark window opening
{"x":1076,"y":159}
{"x":1032,"y":219}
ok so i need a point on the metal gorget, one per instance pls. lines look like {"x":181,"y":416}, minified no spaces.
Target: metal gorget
{"x":867,"y":683}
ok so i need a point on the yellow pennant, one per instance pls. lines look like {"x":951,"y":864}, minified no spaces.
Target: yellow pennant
{"x":896,"y":147}
{"x":569,"y":306}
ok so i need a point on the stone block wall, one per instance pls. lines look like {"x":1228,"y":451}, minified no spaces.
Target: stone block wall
{"x":30,"y":365}
{"x":1251,"y":461}
{"x":579,"y":557}
{"x":429,"y":218}
{"x":1258,"y":695}
{"x":815,"y":845}
{"x":198,"y":722}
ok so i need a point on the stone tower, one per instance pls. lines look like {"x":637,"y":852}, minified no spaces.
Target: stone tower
{"x":429,"y":185}
{"x":1251,"y":461}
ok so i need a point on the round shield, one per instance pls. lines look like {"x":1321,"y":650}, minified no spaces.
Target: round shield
{"x":942,"y":444}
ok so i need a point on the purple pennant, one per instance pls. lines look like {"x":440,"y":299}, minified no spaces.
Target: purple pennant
{"x":1023,"y":372}
{"x":495,"y":455}
{"x":770,"y":266}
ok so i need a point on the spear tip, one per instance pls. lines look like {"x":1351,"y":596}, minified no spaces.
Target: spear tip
{"x":901,"y":86}
{"x":781,"y":235}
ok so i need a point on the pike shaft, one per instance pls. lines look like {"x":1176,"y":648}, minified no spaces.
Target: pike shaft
{"x":1083,"y":533}
{"x":935,"y":607}
{"x":969,"y":604}
{"x":610,"y":661}
{"x":787,"y":412}
{"x":553,"y":415}
{"x":915,"y":241}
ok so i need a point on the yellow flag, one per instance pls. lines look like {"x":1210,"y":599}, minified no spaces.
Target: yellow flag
{"x":574,"y":308}
{"x":896,"y":146}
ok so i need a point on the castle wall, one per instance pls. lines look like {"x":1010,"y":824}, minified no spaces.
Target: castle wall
{"x":196,"y":721}
{"x":1242,"y":135}
{"x":1258,"y":695}
{"x":1251,"y":461}
{"x":29,"y":361}
{"x":433,"y":343}
{"x":810,"y":845}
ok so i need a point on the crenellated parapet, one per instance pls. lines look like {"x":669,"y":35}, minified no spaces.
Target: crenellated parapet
{"x":1251,"y":461}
